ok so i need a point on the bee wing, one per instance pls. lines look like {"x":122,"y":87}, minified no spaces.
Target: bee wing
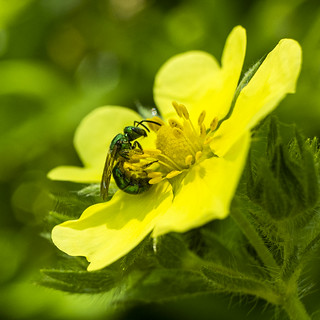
{"x":107,"y":172}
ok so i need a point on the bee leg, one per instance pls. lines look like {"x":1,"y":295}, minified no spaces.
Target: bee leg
{"x":137,"y":144}
{"x":149,"y":164}
{"x":124,"y":154}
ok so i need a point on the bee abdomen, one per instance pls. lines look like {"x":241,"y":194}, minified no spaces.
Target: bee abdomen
{"x":127,"y":182}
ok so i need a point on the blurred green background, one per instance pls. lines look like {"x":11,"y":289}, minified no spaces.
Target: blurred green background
{"x":60,"y":59}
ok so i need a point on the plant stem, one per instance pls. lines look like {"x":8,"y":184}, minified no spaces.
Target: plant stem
{"x":291,"y":303}
{"x":255,"y":240}
{"x":295,"y":308}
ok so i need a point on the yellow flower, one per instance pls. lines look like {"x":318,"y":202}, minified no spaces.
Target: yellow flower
{"x":198,"y":163}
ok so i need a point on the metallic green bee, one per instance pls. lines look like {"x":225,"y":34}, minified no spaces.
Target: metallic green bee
{"x":119,"y":153}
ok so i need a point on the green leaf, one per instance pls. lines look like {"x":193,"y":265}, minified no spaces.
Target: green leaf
{"x":72,"y":204}
{"x":171,"y":251}
{"x":283,"y":178}
{"x":238,"y":283}
{"x":80,"y":281}
{"x":165,"y":285}
{"x":309,"y":171}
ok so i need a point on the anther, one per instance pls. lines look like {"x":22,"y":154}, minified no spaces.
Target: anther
{"x":177,"y":133}
{"x":188,"y":160}
{"x":214,"y":124}
{"x":201,"y":117}
{"x":177,"y":108}
{"x":154,"y":174}
{"x":172,"y":174}
{"x":208,"y":140}
{"x":138,"y":157}
{"x":203,"y":130}
{"x":184,"y":111}
{"x":175,"y":124}
{"x":198,"y":155}
{"x":130,"y":166}
{"x":151,"y":152}
{"x":153,"y":126}
{"x":155,"y":180}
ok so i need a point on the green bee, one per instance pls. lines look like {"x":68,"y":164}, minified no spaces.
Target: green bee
{"x":119,"y":153}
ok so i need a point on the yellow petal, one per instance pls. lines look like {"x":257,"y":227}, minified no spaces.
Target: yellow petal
{"x":232,"y":62}
{"x":196,"y":79}
{"x":206,"y":191}
{"x":276,"y":77}
{"x":185,"y":78}
{"x":92,"y":140}
{"x":76,"y":174}
{"x":107,"y":231}
{"x":97,"y":129}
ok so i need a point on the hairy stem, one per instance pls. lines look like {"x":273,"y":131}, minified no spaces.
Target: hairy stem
{"x":295,"y":308}
{"x":290,"y":302}
{"x":251,"y":234}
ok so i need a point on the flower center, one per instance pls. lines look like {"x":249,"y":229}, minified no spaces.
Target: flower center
{"x":179,"y":144}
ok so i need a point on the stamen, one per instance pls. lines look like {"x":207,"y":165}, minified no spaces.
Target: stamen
{"x":184,"y":111}
{"x":208,"y":140}
{"x":214,"y":124}
{"x":154,"y":174}
{"x":175,"y":124}
{"x":150,"y":165}
{"x":189,"y":160}
{"x":198,"y":155}
{"x":177,"y":132}
{"x":172,"y":174}
{"x":153,"y":126}
{"x":203,"y":130}
{"x":158,"y":120}
{"x":155,"y":180}
{"x":152,"y":153}
{"x":131,"y":166}
{"x":167,"y":162}
{"x":190,"y":131}
{"x":180,"y":142}
{"x":180,"y":134}
{"x":138,"y":157}
{"x":201,"y":117}
{"x":177,"y":108}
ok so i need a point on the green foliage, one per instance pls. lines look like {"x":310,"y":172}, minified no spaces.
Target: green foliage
{"x":261,"y":250}
{"x":61,"y":59}
{"x":285,"y":181}
{"x":80,"y":281}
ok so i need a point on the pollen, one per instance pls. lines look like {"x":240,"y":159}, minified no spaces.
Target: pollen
{"x":179,"y":143}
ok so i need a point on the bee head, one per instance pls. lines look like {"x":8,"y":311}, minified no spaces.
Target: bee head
{"x":134,"y":133}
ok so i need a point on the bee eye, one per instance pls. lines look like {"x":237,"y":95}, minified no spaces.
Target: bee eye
{"x":139,"y":131}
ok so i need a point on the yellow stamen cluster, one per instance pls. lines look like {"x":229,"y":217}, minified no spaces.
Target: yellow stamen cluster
{"x":179,"y":145}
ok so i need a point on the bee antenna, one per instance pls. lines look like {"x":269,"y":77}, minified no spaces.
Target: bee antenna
{"x":137,"y":123}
